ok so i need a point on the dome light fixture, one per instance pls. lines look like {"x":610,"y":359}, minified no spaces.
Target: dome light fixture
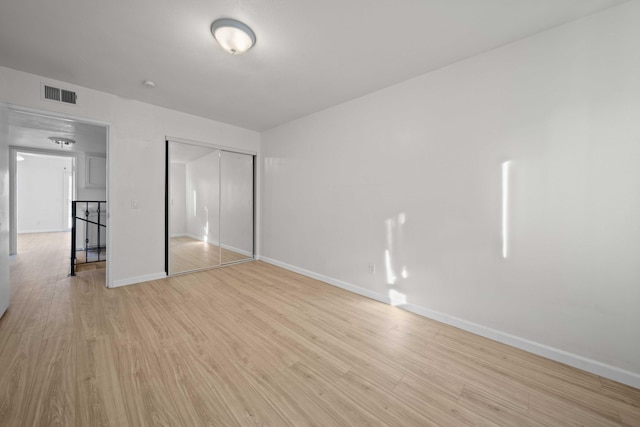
{"x":233,"y":36}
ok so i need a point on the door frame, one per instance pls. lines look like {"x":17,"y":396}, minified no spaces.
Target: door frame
{"x":12,"y":165}
{"x":66,"y":207}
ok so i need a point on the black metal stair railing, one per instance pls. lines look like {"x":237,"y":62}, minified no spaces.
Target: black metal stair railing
{"x":93,"y":226}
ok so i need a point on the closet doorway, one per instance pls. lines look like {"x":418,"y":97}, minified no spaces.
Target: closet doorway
{"x":209,"y":206}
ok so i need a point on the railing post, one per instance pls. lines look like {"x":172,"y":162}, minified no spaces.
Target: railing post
{"x":98,"y":230}
{"x":86,"y":232}
{"x":73,"y":238}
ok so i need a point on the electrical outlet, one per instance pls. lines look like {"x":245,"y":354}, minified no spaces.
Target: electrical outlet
{"x":134,"y":204}
{"x":372,"y":268}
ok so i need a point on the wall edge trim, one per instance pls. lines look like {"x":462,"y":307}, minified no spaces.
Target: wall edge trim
{"x":215,"y":243}
{"x":138,"y":279}
{"x":335,"y":282}
{"x":45,"y":230}
{"x":589,"y":365}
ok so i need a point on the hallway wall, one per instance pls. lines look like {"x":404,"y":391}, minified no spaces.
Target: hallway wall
{"x":40,"y":195}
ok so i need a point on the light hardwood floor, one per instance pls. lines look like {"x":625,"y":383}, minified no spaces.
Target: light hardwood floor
{"x":252,"y":344}
{"x":188,"y":254}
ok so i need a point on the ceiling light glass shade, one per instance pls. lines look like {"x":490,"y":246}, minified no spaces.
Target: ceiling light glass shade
{"x":62,"y":142}
{"x":233,"y":36}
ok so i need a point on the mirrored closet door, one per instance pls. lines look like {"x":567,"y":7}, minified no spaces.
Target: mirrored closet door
{"x":210,"y":214}
{"x":236,"y":206}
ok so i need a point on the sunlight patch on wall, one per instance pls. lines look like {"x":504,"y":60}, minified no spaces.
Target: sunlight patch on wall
{"x":391,"y":277}
{"x":394,"y":257}
{"x":506,"y":166}
{"x":206,"y":225}
{"x":195,"y":198}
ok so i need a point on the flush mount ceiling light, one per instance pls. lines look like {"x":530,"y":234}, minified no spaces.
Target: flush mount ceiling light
{"x":233,"y":36}
{"x":62,"y":142}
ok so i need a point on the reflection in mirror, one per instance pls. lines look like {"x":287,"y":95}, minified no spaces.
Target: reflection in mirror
{"x":210,"y":207}
{"x":236,"y":208}
{"x":194,"y":200}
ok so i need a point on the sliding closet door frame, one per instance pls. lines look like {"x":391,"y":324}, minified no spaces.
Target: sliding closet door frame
{"x":169,"y":196}
{"x":169,"y":139}
{"x":166,"y":206}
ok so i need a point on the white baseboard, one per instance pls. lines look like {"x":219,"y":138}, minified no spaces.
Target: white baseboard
{"x":602,"y":369}
{"x":138,"y":279}
{"x":201,"y":239}
{"x":57,"y":230}
{"x":216,"y":243}
{"x":179,"y":235}
{"x":237,"y":250}
{"x":335,"y":282}
{"x":193,"y":236}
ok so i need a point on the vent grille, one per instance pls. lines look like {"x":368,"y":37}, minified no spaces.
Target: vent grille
{"x":52,"y":93}
{"x":68,"y":97}
{"x":60,"y":95}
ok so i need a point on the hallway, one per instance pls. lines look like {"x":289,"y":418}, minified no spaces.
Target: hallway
{"x":37,"y":348}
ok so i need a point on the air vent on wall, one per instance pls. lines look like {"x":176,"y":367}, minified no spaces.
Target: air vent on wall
{"x":59,"y":95}
{"x":52,"y":93}
{"x":68,"y":96}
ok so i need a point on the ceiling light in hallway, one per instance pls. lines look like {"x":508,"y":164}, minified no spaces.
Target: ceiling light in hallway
{"x":63,"y":142}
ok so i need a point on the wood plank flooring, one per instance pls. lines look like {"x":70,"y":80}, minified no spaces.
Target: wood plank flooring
{"x":187,"y":254}
{"x":253,"y":345}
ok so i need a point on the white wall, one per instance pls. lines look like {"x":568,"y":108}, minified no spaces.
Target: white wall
{"x":41,"y":194}
{"x":415,"y":171}
{"x":85,"y":192}
{"x":4,"y":209}
{"x":137,"y":165}
{"x":203,"y":198}
{"x":178,"y":202}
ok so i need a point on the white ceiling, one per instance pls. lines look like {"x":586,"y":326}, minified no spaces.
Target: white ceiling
{"x":33,"y":131}
{"x":309,"y":55}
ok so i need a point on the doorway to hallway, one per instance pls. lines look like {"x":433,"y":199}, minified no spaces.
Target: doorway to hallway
{"x":54,"y":162}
